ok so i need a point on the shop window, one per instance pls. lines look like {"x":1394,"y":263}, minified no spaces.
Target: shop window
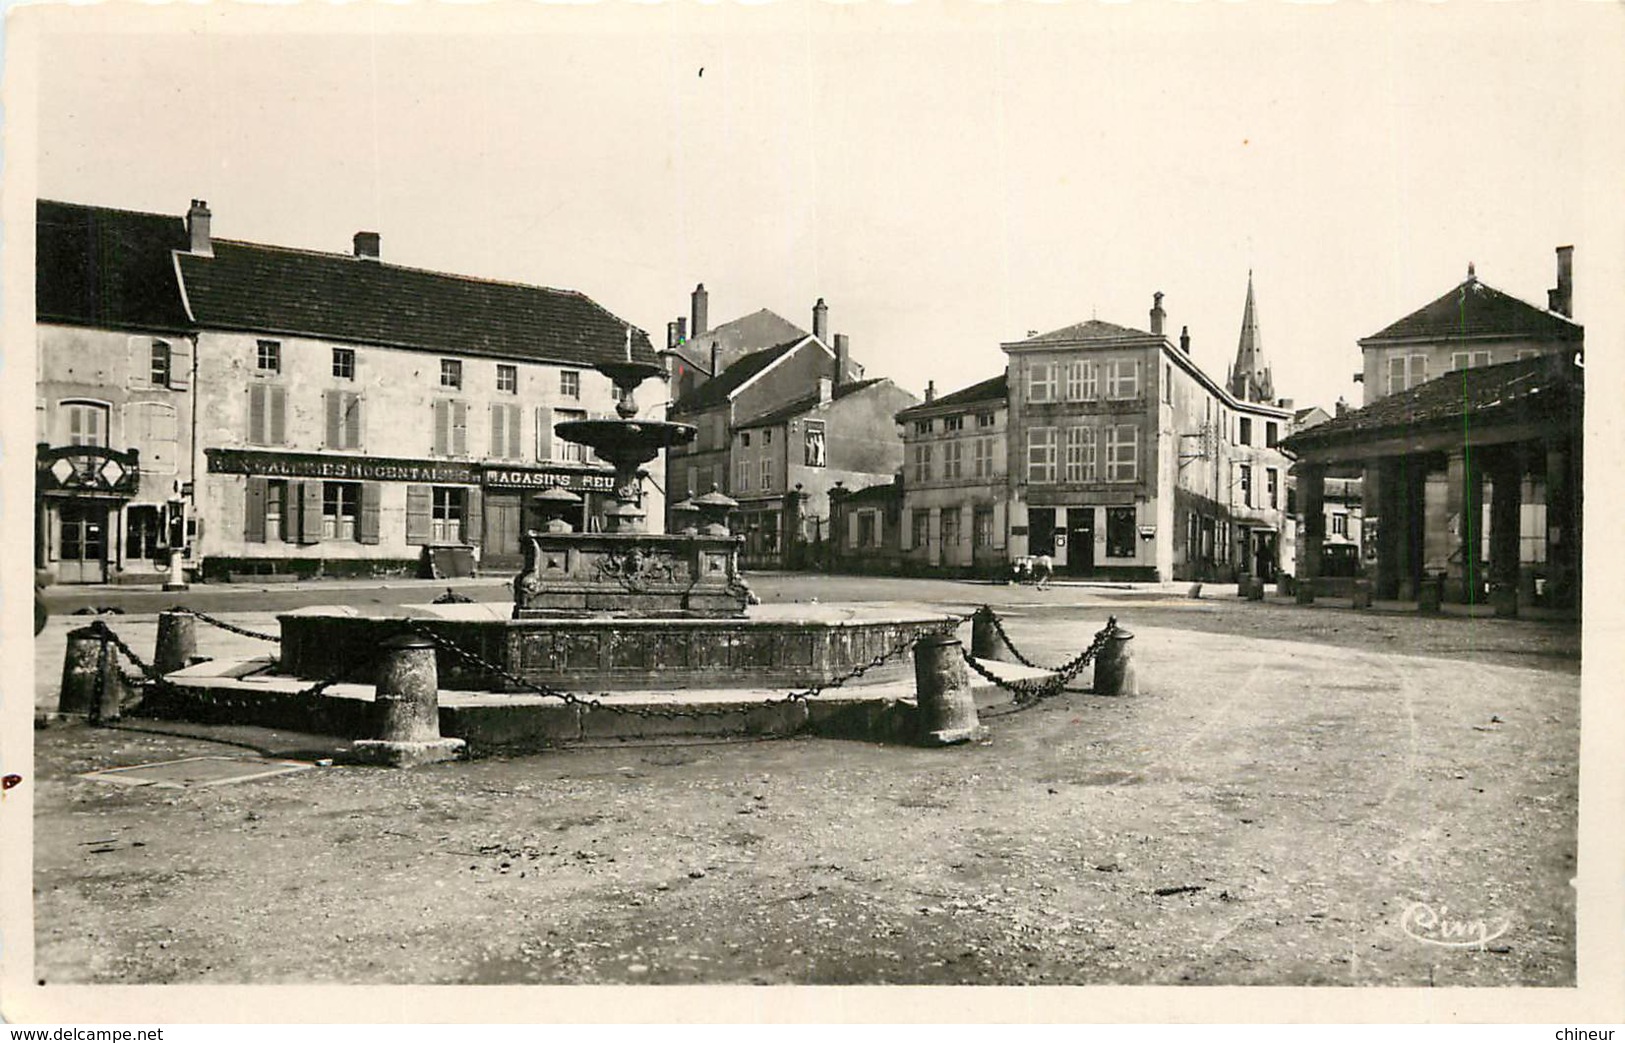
{"x":1041,"y":455}
{"x":145,"y":534}
{"x":268,"y":356}
{"x":1120,"y":532}
{"x":341,"y":510}
{"x":451,"y":374}
{"x":507,"y":379}
{"x":982,"y":527}
{"x":276,"y":511}
{"x":569,"y":383}
{"x":344,"y":363}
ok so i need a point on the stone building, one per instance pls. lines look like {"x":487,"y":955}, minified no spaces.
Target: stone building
{"x":956,"y":490}
{"x":113,"y":394}
{"x":1130,"y":462}
{"x":866,"y":525}
{"x":347,"y":413}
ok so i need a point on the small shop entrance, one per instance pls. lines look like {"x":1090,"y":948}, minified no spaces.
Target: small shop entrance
{"x":1080,"y":540}
{"x":81,"y":543}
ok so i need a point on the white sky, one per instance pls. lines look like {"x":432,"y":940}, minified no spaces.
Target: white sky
{"x":946,"y":177}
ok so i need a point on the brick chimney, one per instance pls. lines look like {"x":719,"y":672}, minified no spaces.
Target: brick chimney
{"x":1561,"y":299}
{"x":821,"y":320}
{"x":366,"y":245}
{"x":672,"y":340}
{"x":930,"y":391}
{"x":826,"y":391}
{"x":716,"y":359}
{"x":1157,"y":314}
{"x":843,"y":358}
{"x":1185,"y":339}
{"x":701,"y":304}
{"x":197,"y":225}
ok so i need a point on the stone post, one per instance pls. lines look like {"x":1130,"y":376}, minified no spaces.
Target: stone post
{"x":1506,"y":503}
{"x":947,"y":709}
{"x":985,"y":642}
{"x":406,"y":708}
{"x":177,"y":641}
{"x":1362,"y":593}
{"x":81,"y":671}
{"x":1114,"y":666}
{"x":1312,"y":480}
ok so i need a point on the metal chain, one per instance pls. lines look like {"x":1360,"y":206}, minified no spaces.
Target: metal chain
{"x":153,"y":677}
{"x":1034,"y":690}
{"x":223,"y":625}
{"x":998,"y":628}
{"x":597,"y":703}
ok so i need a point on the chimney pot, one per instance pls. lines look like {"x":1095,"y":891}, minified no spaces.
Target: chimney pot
{"x":930,"y":391}
{"x":701,"y":302}
{"x":197,"y":226}
{"x":366,"y":245}
{"x":1185,"y":339}
{"x":1157,"y":314}
{"x":1562,"y":298}
{"x":843,"y":358}
{"x":821,"y":321}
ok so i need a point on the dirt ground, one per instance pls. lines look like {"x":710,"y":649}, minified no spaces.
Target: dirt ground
{"x":1325,"y":805}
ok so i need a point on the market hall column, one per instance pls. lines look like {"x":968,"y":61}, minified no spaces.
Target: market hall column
{"x":1312,"y":479}
{"x":1506,"y":496}
{"x":1464,"y":507}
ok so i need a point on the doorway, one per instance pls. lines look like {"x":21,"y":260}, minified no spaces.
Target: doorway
{"x":502,"y":525}
{"x":1041,"y":531}
{"x":1080,"y":540}
{"x":81,"y":543}
{"x":1264,"y":556}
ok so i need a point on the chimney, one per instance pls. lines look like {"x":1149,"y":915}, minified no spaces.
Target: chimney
{"x":366,"y":245}
{"x":682,"y":328}
{"x":843,"y":358}
{"x":1185,"y":339}
{"x":197,"y":225}
{"x":1157,"y":314}
{"x":1342,"y":406}
{"x":826,"y":390}
{"x":672,"y":337}
{"x":1561,"y":300}
{"x":702,"y":301}
{"x":930,"y":391}
{"x":716,"y":359}
{"x":1284,"y":403}
{"x":821,"y":320}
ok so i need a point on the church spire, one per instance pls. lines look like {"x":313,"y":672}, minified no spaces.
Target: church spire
{"x":1249,"y":377}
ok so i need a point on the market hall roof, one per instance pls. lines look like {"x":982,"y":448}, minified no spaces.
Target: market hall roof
{"x":279,"y":290}
{"x":95,"y":266}
{"x":1475,"y":310}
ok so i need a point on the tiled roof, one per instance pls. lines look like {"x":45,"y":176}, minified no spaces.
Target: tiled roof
{"x":1476,"y":310}
{"x":716,"y":391}
{"x":994,"y":388}
{"x":1530,"y":390}
{"x":1094,"y":329}
{"x":246,"y":286}
{"x":805,"y":404}
{"x":737,"y":338}
{"x":110,"y":268}
{"x":874,"y":493}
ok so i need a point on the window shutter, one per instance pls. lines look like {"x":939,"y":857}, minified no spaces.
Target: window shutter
{"x":473,"y":517}
{"x":514,"y":431}
{"x":140,"y":363}
{"x":279,"y":419}
{"x":419,"y":501}
{"x":180,"y":366}
{"x":352,"y":421}
{"x":499,"y":432}
{"x":254,"y":511}
{"x":310,"y":511}
{"x":334,"y":402}
{"x":459,"y":429}
{"x":442,"y":428}
{"x":367,"y":524}
{"x":256,"y":414}
{"x":544,"y":432}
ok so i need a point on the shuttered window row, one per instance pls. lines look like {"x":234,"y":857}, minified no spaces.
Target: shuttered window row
{"x":309,"y":512}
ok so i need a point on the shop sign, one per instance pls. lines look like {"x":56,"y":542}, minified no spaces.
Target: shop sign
{"x":339,"y":468}
{"x":529,"y":478}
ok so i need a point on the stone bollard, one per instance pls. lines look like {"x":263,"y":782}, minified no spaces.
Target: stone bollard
{"x":1255,"y":590}
{"x":406,"y":708}
{"x":947,"y":709}
{"x":177,"y":641}
{"x":985,"y":642}
{"x":1114,"y":666}
{"x":1504,"y":600}
{"x":1362,"y":594}
{"x":1304,"y":591}
{"x":1430,"y":597}
{"x":92,"y":686}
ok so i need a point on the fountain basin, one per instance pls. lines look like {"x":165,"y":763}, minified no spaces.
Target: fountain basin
{"x":788,"y":646}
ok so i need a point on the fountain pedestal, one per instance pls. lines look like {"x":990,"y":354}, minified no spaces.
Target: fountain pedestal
{"x":631,"y":574}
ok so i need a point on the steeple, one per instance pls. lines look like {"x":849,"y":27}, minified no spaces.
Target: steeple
{"x":1250,"y":377}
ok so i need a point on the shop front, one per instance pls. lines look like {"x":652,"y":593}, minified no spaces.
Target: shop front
{"x":513,"y":506}
{"x":82,"y":495}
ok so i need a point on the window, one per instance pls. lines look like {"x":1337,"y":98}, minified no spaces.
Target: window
{"x":341,"y":510}
{"x":950,"y":530}
{"x":1041,"y":454}
{"x":719,"y":428}
{"x":742,"y":478}
{"x":1123,"y":378}
{"x":953,"y":423}
{"x":982,"y":527}
{"x":507,"y":379}
{"x":451,"y":373}
{"x":952,"y":453}
{"x":450,"y":428}
{"x":446,"y":514}
{"x":1526,"y":353}
{"x":922,"y":463}
{"x":160,"y":363}
{"x":767,"y":474}
{"x":921,"y":522}
{"x":767,"y":436}
{"x":982,"y":458}
{"x":867,"y":537}
{"x":1122,"y":453}
{"x":923,"y":427}
{"x":1246,"y":471}
{"x":86,"y":423}
{"x":984,"y":420}
{"x":153,"y":428}
{"x":276,"y":512}
{"x":268,"y":356}
{"x":506,"y":428}
{"x":1272,"y":434}
{"x":572,"y":452}
{"x":744,"y":439}
{"x":1080,"y":454}
{"x":1469,"y":359}
{"x":1120,"y":532}
{"x":344,"y":363}
{"x":569,"y":383}
{"x":1246,"y":436}
{"x":267,"y":414}
{"x":1272,"y":483}
{"x":1080,"y":382}
{"x":1406,"y":371}
{"x":1041,"y":382}
{"x":343,"y":420}
{"x":1340,"y":524}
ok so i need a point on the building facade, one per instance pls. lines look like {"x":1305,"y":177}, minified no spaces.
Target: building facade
{"x":955,"y":480}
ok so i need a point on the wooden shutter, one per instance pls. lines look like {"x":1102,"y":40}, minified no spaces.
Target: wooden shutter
{"x":310,"y":511}
{"x":334,"y":403}
{"x":180,"y":366}
{"x":544,"y":433}
{"x":419,"y":502}
{"x":473,"y":516}
{"x":256,"y":414}
{"x":279,"y":415}
{"x":352,"y":421}
{"x":459,"y":429}
{"x":499,"y":431}
{"x":367,"y":524}
{"x":254,"y":511}
{"x":442,"y":427}
{"x":514,"y":431}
